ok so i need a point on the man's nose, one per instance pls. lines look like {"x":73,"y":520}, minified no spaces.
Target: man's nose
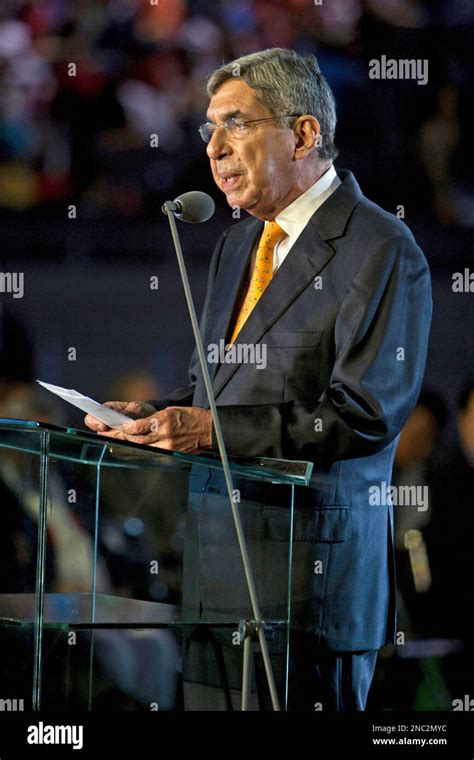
{"x":218,"y":146}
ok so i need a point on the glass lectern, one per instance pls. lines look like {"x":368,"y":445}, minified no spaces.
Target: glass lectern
{"x":116,"y":556}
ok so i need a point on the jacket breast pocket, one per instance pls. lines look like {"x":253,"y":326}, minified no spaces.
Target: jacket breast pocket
{"x":297,"y":356}
{"x":303,"y":339}
{"x":329,"y":524}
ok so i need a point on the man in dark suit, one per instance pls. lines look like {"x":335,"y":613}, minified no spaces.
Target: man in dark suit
{"x":338,"y":293}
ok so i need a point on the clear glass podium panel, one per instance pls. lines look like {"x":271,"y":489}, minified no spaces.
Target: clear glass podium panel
{"x":122,"y":585}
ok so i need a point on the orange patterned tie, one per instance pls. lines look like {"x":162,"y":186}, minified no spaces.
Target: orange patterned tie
{"x":262,"y":273}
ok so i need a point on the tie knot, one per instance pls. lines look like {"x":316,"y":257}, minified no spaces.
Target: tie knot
{"x":271,"y":234}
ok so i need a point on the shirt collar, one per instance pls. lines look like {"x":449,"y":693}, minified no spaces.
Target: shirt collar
{"x":295,"y":216}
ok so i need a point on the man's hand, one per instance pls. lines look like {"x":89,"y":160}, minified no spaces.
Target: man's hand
{"x":177,"y":428}
{"x":133,"y":409}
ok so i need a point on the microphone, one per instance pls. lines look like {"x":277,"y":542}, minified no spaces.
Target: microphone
{"x":191,"y":207}
{"x":199,"y":207}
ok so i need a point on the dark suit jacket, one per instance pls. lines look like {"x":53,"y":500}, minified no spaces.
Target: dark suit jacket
{"x":351,"y":353}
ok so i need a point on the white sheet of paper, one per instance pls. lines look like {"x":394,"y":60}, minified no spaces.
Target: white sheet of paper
{"x":109,"y":416}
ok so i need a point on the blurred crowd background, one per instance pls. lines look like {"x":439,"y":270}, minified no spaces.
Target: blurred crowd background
{"x":141,"y":68}
{"x":83,"y":86}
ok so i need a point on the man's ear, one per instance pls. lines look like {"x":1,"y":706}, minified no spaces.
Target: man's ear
{"x":307,"y":136}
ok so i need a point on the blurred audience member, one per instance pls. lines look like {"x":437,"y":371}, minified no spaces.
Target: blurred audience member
{"x":439,"y":140}
{"x":135,"y":384}
{"x":70,"y":549}
{"x":418,"y":439}
{"x":450,"y":533}
{"x":450,"y":544}
{"x":143,"y":514}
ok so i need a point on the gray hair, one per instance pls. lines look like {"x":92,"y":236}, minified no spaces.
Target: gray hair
{"x":286,"y":83}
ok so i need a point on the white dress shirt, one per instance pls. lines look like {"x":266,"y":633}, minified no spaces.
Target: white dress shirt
{"x":294,"y":218}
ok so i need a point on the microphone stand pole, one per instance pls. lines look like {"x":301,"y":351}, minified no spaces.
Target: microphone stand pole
{"x":168,"y":209}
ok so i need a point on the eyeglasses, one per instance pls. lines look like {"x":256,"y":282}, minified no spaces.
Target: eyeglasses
{"x":236,"y":127}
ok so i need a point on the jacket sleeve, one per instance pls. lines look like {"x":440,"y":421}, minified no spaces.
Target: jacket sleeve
{"x":184,"y":396}
{"x":381,"y":337}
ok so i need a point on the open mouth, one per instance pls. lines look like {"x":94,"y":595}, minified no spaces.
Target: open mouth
{"x":229,"y":180}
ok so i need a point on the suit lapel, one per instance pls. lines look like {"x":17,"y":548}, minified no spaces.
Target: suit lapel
{"x":307,"y":258}
{"x":224,"y":301}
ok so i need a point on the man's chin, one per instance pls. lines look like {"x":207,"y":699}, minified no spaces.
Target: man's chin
{"x":233,"y":200}
{"x":239,"y":201}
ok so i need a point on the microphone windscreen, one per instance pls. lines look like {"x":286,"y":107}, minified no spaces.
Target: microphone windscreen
{"x":195,"y":207}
